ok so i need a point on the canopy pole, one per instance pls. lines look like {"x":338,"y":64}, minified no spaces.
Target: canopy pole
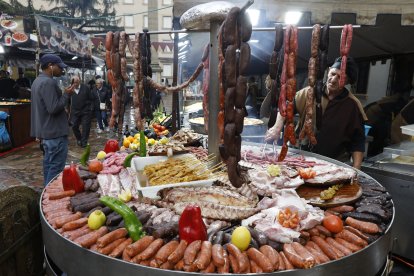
{"x":213,"y":95}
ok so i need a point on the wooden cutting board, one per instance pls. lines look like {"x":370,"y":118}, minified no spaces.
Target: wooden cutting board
{"x":347,"y":194}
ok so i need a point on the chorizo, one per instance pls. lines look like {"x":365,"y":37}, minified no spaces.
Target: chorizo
{"x":317,"y":254}
{"x":229,"y":133}
{"x":233,"y":171}
{"x":364,"y":226}
{"x":72,"y":235}
{"x":343,"y":76}
{"x":234,"y":264}
{"x":178,"y":253}
{"x":323,"y":230}
{"x":179,"y":265}
{"x":110,"y":247}
{"x":351,"y":237}
{"x":273,"y":65}
{"x":226,"y":267}
{"x":312,"y":71}
{"x":286,"y":263}
{"x":191,"y":252}
{"x":271,"y":254}
{"x":115,"y":43}
{"x":220,"y":124}
{"x":209,"y":269}
{"x":75,"y":224}
{"x":149,"y":252}
{"x":338,"y":246}
{"x":108,"y":40}
{"x":350,"y":246}
{"x":205,"y":256}
{"x":139,"y":246}
{"x":254,"y":268}
{"x":65,"y":219}
{"x":108,"y":60}
{"x":294,"y":258}
{"x":325,"y":247}
{"x":116,"y":64}
{"x":112,"y":236}
{"x":122,"y":43}
{"x":316,"y":36}
{"x":120,"y":249}
{"x":237,"y":254}
{"x":124,"y":72}
{"x":60,"y":195}
{"x":217,"y":255}
{"x":305,"y":254}
{"x":282,"y":100}
{"x":357,"y":232}
{"x":260,"y":259}
{"x":165,"y":251}
{"x":291,"y":66}
{"x":89,"y":239}
{"x":342,"y":209}
{"x":324,"y":40}
{"x":167,"y":265}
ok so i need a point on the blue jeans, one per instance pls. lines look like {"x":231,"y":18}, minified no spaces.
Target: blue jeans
{"x":101,"y":116}
{"x":56,"y":151}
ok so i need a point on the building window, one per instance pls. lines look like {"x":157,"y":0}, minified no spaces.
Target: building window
{"x":166,"y":22}
{"x":167,"y":2}
{"x":145,"y":21}
{"x":167,"y":70}
{"x":128,"y":1}
{"x":129,"y":21}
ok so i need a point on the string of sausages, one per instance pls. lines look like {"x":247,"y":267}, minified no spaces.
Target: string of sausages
{"x":234,"y":58}
{"x":147,"y":72}
{"x":323,"y":64}
{"x":138,"y":92}
{"x":115,"y":44}
{"x":346,"y":41}
{"x":288,"y":88}
{"x":274,"y":66}
{"x":307,"y":128}
{"x":206,"y":83}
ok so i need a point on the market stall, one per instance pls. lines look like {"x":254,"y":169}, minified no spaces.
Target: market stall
{"x":18,"y":122}
{"x":159,"y":206}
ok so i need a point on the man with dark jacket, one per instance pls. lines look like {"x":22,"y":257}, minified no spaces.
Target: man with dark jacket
{"x":81,"y":109}
{"x":341,"y":131}
{"x":101,"y":101}
{"x":49,"y":121}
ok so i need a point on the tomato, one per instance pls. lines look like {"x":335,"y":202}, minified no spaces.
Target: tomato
{"x":162,"y":128}
{"x":111,"y":146}
{"x":95,"y":166}
{"x":333,"y":223}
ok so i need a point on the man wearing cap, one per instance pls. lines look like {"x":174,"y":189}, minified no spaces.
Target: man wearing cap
{"x":340,"y":132}
{"x":49,"y":121}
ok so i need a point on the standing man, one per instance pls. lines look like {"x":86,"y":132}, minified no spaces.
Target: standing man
{"x":49,"y":121}
{"x":101,"y":95}
{"x":341,"y":133}
{"x":81,"y":109}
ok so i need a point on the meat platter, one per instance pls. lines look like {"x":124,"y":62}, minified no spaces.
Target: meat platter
{"x":61,"y":248}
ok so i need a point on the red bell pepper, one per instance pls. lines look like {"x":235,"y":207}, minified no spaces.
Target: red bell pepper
{"x":111,"y":146}
{"x":191,"y":225}
{"x":71,"y":179}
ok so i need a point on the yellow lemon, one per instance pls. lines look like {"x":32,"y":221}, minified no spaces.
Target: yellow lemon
{"x":96,"y":219}
{"x":125,"y":195}
{"x":101,"y":155}
{"x":131,"y":139}
{"x":151,"y":141}
{"x":136,"y":136}
{"x":241,"y":238}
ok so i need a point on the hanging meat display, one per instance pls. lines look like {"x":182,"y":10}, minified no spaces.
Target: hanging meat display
{"x":346,"y":41}
{"x":274,"y":67}
{"x":288,"y":88}
{"x":206,"y":81}
{"x":307,"y":128}
{"x":137,"y":93}
{"x":323,"y":64}
{"x":234,"y":58}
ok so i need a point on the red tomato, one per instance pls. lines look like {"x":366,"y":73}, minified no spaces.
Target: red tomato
{"x":333,"y":223}
{"x":162,"y":128}
{"x":111,"y":146}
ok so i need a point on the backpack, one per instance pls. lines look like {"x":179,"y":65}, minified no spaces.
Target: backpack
{"x":5,"y":143}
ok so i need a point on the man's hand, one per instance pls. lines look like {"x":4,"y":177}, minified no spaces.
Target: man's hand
{"x":70,"y":89}
{"x":273,"y":133}
{"x":357,"y":157}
